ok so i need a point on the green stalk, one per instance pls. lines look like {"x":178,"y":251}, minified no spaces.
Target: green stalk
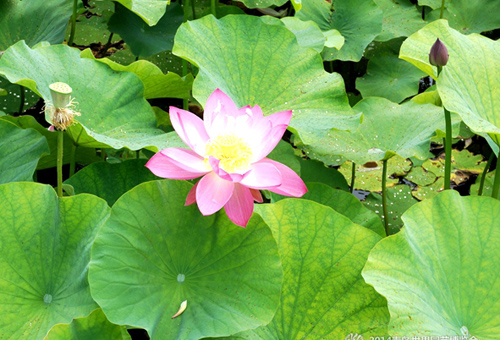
{"x":485,"y":171}
{"x":60,"y":149}
{"x":21,"y":97}
{"x":213,"y":8}
{"x":72,"y":161}
{"x":185,"y":7}
{"x":73,"y":24}
{"x":496,"y":182}
{"x":384,"y":196}
{"x":353,"y":176}
{"x":442,"y":10}
{"x":447,"y":151}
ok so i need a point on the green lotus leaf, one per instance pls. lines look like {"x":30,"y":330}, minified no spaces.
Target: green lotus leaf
{"x":313,"y":171}
{"x":93,"y":327}
{"x":420,"y":176}
{"x":45,"y":250}
{"x":431,"y":3}
{"x":429,"y":191}
{"x":323,"y":295}
{"x":283,"y":153}
{"x":369,"y":175}
{"x":113,"y":110}
{"x":82,"y":156}
{"x":401,"y":19}
{"x":110,"y":181}
{"x":156,"y":84}
{"x":154,"y":253}
{"x":344,"y":203}
{"x":358,"y":21}
{"x":462,"y":84}
{"x":399,"y":199}
{"x":20,"y":151}
{"x":468,"y":16}
{"x":150,"y":11}
{"x":261,"y":64}
{"x":10,"y":101}
{"x":440,"y":273}
{"x":488,"y":184}
{"x":33,"y":21}
{"x":144,"y":40}
{"x":389,"y":77}
{"x":334,"y":39}
{"x":388,"y":129}
{"x":264,"y":3}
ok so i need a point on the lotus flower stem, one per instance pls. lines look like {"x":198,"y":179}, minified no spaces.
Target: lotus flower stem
{"x":496,"y":182}
{"x":384,"y":196}
{"x":21,"y":98}
{"x":447,"y":151}
{"x":72,"y":160}
{"x":353,"y":176}
{"x":485,"y":171}
{"x":60,"y":149}
{"x":213,"y":8}
{"x":442,"y":10}
{"x":185,"y":7}
{"x":73,"y":24}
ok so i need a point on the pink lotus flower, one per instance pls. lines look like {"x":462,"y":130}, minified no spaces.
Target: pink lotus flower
{"x":229,"y":149}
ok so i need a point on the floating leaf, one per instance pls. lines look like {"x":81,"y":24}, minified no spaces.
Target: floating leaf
{"x":399,"y":199}
{"x":439,"y":274}
{"x":278,"y":75}
{"x":358,"y":21}
{"x":420,"y":176}
{"x":323,"y":294}
{"x":20,"y":151}
{"x":161,"y":253}
{"x":388,"y":129}
{"x":369,"y":176}
{"x":144,"y":40}
{"x":45,"y":243}
{"x":389,"y":77}
{"x":33,"y":21}
{"x":95,"y":327}
{"x":462,"y":84}
{"x":156,"y":84}
{"x":429,"y":191}
{"x":113,"y":110}
{"x":110,"y":181}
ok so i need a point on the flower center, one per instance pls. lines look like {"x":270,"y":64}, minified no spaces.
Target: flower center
{"x":233,"y":153}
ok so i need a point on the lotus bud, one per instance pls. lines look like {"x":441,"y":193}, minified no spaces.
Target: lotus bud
{"x":439,"y":54}
{"x":60,"y":109}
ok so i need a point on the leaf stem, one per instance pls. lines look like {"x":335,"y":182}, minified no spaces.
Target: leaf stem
{"x":485,"y":171}
{"x":442,"y":10}
{"x":21,"y":98}
{"x":72,"y":162}
{"x":213,"y":8}
{"x":353,"y":176}
{"x":496,"y":182}
{"x":73,"y":24}
{"x":60,"y":150}
{"x":384,"y":196}
{"x":185,"y":7}
{"x":447,"y":151}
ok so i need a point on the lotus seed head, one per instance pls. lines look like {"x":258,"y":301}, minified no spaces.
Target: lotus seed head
{"x":61,"y":87}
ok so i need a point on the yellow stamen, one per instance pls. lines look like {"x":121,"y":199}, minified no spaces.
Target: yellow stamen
{"x":233,"y":153}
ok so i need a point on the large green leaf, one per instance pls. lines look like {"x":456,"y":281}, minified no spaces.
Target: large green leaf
{"x":388,"y":129}
{"x":256,"y":63}
{"x":110,"y":181}
{"x":323,"y":294}
{"x":389,"y":77}
{"x":150,"y":11}
{"x":82,"y":155}
{"x":358,"y":21}
{"x":144,"y":40}
{"x":113,"y":110}
{"x":440,"y":273}
{"x":20,"y":151}
{"x":154,"y":253}
{"x":45,"y":252}
{"x":401,"y":19}
{"x":93,"y":327}
{"x":33,"y":21}
{"x":156,"y":84}
{"x":469,"y":83}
